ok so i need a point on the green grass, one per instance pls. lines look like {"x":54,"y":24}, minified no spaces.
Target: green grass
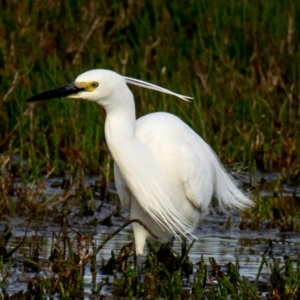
{"x":239,"y":60}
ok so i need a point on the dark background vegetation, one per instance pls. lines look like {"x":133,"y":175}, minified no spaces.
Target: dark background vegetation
{"x":238,"y":59}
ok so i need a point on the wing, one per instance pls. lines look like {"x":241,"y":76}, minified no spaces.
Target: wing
{"x":196,"y":174}
{"x":186,"y":156}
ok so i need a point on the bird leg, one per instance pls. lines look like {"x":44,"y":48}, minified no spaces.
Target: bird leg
{"x":138,"y":267}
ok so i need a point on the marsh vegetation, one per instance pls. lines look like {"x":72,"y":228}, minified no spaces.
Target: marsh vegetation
{"x":240,"y":63}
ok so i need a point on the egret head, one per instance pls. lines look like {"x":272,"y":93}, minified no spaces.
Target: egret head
{"x":94,"y":85}
{"x":105,"y":87}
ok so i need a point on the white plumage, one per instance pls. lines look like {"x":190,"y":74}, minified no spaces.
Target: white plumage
{"x":165,"y":173}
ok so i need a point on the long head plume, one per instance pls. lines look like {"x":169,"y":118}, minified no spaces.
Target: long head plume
{"x":154,"y":87}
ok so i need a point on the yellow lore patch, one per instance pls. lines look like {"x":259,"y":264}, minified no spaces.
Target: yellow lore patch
{"x":88,"y":86}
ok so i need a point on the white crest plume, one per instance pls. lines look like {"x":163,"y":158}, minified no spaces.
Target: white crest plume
{"x":154,"y":87}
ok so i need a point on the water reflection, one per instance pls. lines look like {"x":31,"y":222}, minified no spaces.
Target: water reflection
{"x":214,"y":239}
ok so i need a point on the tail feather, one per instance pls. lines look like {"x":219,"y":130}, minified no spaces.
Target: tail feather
{"x":227,"y":192}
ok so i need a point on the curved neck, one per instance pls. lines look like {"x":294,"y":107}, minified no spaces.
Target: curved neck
{"x":120,"y":123}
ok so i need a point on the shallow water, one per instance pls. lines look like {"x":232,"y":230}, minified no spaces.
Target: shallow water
{"x":213,"y":240}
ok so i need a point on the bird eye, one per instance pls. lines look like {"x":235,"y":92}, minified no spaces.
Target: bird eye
{"x":94,"y":84}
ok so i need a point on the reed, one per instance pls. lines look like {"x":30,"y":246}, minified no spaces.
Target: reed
{"x":240,"y":61}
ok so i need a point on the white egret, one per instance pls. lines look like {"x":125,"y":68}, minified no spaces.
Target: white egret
{"x":165,"y":173}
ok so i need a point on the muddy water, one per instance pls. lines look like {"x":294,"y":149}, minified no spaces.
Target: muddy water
{"x":214,"y":240}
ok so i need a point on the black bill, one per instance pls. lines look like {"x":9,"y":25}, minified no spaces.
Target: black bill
{"x":64,"y":91}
